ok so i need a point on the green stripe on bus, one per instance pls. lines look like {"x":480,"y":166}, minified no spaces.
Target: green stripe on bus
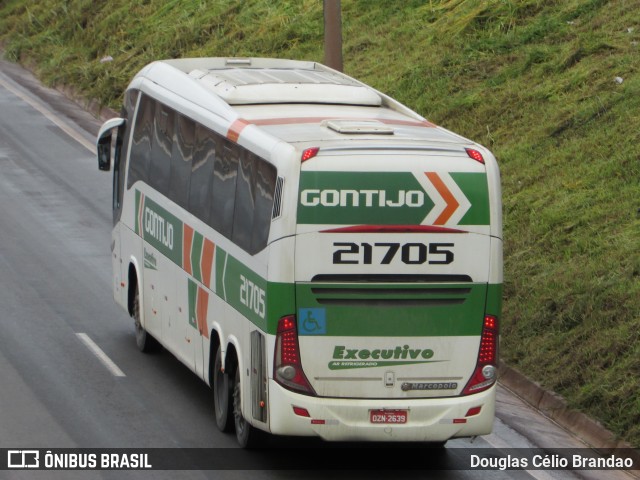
{"x":193,"y":297}
{"x":414,"y":311}
{"x":246,"y":292}
{"x":384,"y":198}
{"x":196,"y":253}
{"x":494,"y":300}
{"x":162,"y":230}
{"x":136,"y":227}
{"x":221,"y":258}
{"x":281,"y":299}
{"x":474,"y":187}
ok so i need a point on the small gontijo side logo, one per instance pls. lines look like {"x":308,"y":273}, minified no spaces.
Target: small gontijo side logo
{"x":23,"y":459}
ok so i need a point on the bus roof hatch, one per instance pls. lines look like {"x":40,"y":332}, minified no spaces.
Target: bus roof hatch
{"x":358,"y":127}
{"x":245,"y":86}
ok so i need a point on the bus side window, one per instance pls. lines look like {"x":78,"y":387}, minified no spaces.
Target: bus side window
{"x":244,"y":203}
{"x":224,"y":188}
{"x":202,"y":173}
{"x":141,"y":147}
{"x":161,"y":147}
{"x":181,"y":158}
{"x":265,"y":185}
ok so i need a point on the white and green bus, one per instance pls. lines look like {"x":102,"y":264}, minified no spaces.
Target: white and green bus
{"x":326,"y":259}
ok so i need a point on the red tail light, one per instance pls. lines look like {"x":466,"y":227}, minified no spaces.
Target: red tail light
{"x":486,"y":372}
{"x":475,"y":154}
{"x":309,"y":153}
{"x":287,"y":368}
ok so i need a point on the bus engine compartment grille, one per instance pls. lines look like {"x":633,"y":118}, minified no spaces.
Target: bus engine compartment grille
{"x":390,"y":296}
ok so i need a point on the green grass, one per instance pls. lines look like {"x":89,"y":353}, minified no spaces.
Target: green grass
{"x":531,"y":79}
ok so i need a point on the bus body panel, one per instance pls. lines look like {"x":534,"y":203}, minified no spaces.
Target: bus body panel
{"x":428,"y":420}
{"x":189,"y":276}
{"x":119,"y":277}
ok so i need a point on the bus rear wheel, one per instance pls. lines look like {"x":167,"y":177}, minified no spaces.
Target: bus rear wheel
{"x":247,"y":435}
{"x":222,"y":395}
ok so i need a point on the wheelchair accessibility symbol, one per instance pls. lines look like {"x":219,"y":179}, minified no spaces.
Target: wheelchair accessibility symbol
{"x":312,"y":321}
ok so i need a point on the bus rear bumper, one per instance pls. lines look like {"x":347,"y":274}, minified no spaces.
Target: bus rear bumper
{"x":341,"y":419}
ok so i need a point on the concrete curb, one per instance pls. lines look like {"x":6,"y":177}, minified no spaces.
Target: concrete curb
{"x":553,"y":406}
{"x":92,"y":106}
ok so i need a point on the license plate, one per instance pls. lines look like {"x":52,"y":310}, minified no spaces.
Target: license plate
{"x":388,"y":416}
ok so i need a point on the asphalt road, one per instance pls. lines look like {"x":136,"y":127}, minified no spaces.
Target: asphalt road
{"x":56,"y":295}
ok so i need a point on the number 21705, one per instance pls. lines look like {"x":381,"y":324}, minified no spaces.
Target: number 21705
{"x":384,"y":253}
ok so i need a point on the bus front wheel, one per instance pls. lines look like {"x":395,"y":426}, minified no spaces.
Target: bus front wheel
{"x":145,"y":342}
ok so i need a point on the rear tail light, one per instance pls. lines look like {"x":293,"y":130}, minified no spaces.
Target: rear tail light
{"x":301,"y":412}
{"x":309,"y":153}
{"x":473,"y":411}
{"x":486,"y":371}
{"x":287,"y":369}
{"x":475,"y":154}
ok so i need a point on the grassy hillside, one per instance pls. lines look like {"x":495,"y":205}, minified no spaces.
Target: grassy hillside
{"x":534,"y":80}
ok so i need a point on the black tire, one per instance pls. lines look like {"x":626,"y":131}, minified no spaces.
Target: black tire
{"x":247,"y":435}
{"x":222,"y":395}
{"x":145,"y":342}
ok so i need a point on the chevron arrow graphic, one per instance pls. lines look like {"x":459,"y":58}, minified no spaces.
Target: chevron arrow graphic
{"x":450,"y":203}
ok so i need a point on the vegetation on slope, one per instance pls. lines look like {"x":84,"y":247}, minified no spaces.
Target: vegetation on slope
{"x":551,"y":86}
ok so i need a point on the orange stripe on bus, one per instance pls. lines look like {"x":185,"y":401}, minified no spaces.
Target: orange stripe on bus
{"x":293,"y":120}
{"x":452,"y":203}
{"x":236,"y":128}
{"x":201,"y":311}
{"x":206,"y":263}
{"x":238,"y":125}
{"x":186,"y":249}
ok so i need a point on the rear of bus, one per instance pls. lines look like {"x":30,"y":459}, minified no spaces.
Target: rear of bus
{"x":398,"y":279}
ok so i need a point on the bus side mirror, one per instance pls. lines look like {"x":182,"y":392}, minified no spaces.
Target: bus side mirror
{"x":104,"y":153}
{"x":103,"y":144}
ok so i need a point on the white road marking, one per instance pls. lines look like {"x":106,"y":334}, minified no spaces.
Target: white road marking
{"x":64,"y":126}
{"x":103,"y":357}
